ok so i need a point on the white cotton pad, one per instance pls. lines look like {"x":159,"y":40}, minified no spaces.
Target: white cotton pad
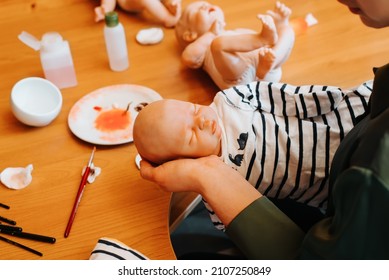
{"x":138,"y":158}
{"x":94,"y":172}
{"x":16,"y":177}
{"x":310,"y":19}
{"x":150,"y":36}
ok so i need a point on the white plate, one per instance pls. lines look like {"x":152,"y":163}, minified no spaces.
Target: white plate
{"x":100,"y":117}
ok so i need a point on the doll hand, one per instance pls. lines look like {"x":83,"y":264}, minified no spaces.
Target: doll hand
{"x":217,"y":27}
{"x":99,"y":13}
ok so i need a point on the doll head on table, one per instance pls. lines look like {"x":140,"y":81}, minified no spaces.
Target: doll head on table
{"x":169,"y":129}
{"x":166,"y":12}
{"x":198,"y":18}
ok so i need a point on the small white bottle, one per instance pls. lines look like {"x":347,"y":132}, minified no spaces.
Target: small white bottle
{"x":55,"y":56}
{"x":115,"y":42}
{"x":57,"y":62}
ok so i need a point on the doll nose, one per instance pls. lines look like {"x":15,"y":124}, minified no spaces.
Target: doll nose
{"x":200,"y":120}
{"x":204,"y":123}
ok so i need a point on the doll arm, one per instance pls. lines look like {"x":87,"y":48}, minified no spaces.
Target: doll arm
{"x":194,"y":54}
{"x":105,"y":7}
{"x":198,"y":44}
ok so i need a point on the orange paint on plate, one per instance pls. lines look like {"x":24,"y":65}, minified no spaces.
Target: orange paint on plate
{"x":111,"y":120}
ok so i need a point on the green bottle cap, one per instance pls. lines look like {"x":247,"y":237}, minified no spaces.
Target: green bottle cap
{"x":111,"y":19}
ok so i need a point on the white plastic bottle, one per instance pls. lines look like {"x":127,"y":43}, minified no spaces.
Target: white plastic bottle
{"x":55,"y":56}
{"x":115,"y":42}
{"x":57,"y":61}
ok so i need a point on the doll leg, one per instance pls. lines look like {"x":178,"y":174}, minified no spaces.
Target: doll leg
{"x":155,"y":10}
{"x":229,"y":52}
{"x":173,"y":6}
{"x":266,"y":58}
{"x":284,"y":45}
{"x":268,"y":33}
{"x":167,"y":12}
{"x":271,"y":60}
{"x":280,"y":14}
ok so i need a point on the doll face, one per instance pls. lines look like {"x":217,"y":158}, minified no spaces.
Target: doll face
{"x":176,"y":129}
{"x":201,"y":15}
{"x":373,"y":13}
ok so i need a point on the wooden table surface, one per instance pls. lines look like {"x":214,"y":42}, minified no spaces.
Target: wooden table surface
{"x":339,"y":50}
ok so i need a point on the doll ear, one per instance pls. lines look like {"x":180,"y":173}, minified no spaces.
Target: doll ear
{"x":189,"y":36}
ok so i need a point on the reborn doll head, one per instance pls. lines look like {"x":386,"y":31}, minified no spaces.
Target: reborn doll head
{"x":198,"y":18}
{"x":170,"y":129}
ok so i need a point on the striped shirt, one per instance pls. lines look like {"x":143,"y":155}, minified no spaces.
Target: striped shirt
{"x":112,"y":249}
{"x":282,"y":138}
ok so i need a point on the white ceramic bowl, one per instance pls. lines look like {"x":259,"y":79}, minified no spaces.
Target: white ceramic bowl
{"x":36,"y":101}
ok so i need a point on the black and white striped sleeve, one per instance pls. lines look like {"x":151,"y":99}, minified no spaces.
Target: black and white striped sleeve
{"x":112,"y":249}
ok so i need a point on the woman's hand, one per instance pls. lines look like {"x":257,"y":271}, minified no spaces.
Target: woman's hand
{"x":183,"y":174}
{"x":225,"y":190}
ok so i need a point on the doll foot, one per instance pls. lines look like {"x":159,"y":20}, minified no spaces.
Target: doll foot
{"x":266,"y":58}
{"x":269,"y":30}
{"x":280,"y":14}
{"x":282,"y":10}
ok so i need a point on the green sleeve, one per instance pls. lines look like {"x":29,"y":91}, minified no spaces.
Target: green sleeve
{"x":359,"y":228}
{"x":262,"y":231}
